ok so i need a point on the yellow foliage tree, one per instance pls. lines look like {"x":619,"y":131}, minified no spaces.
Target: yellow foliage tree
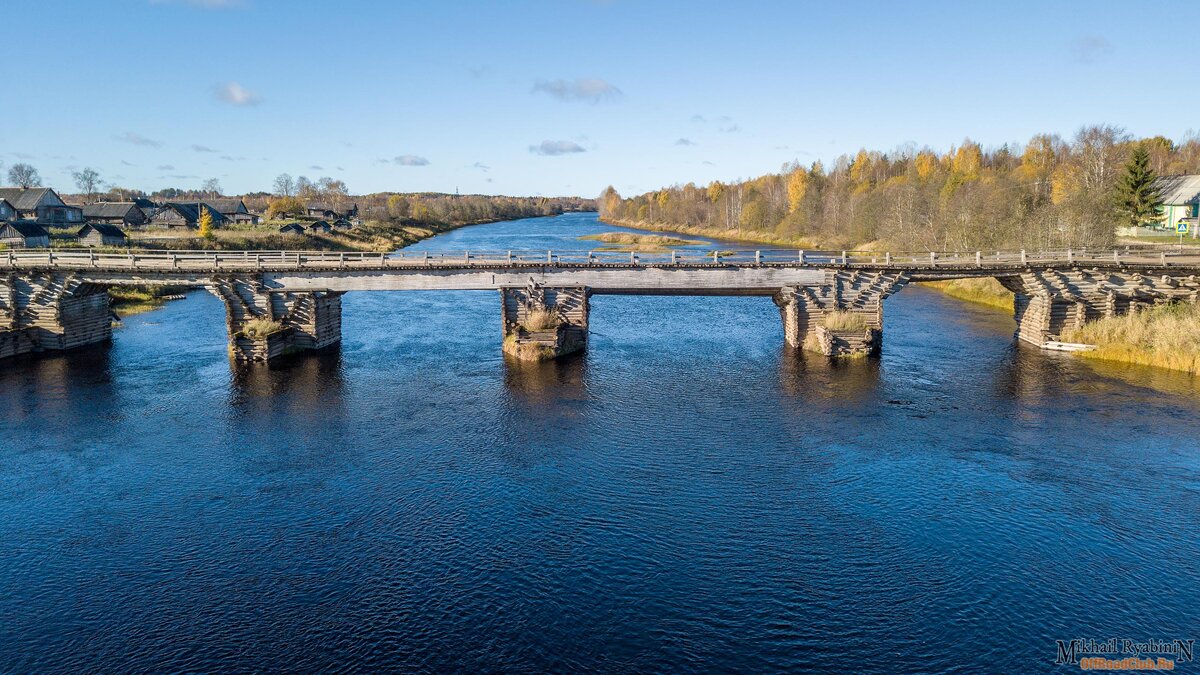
{"x":1063,"y":182}
{"x":205,"y":223}
{"x":968,"y":160}
{"x":860,"y":170}
{"x":715,"y":190}
{"x":797,"y":187}
{"x":926,"y":163}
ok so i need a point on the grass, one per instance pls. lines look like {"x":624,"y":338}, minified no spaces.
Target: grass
{"x":1167,"y":336}
{"x":137,"y":299}
{"x":980,"y":290}
{"x":256,"y":329}
{"x":526,"y":351}
{"x":629,"y":241}
{"x":540,"y":319}
{"x":845,"y":321}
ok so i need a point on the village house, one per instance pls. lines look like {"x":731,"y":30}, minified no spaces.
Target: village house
{"x":101,"y":234}
{"x":176,"y":215}
{"x":234,"y":210}
{"x":319,"y":227}
{"x":1181,"y":202}
{"x":24,"y":234}
{"x":124,"y":214}
{"x":148,"y":207}
{"x":342,"y":224}
{"x":7,"y":210}
{"x":292,"y":228}
{"x":332,"y":211}
{"x":42,"y":205}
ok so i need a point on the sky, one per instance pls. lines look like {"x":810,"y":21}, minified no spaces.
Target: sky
{"x":563,"y":97}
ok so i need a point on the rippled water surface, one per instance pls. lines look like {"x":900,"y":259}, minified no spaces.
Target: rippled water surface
{"x":687,"y":495}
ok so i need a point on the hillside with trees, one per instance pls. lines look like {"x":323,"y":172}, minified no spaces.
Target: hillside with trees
{"x":1051,"y":193}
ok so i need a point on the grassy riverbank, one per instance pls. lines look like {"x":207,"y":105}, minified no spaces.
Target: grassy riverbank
{"x":984,"y":291}
{"x":629,"y":241}
{"x":129,"y":300}
{"x":1165,"y":337}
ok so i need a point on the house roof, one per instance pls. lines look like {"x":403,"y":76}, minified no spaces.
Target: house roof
{"x":27,"y":228}
{"x":25,"y":199}
{"x":104,"y":229}
{"x":292,"y":227}
{"x":108,"y":209}
{"x":340,"y":207}
{"x":143,"y":203}
{"x":191,"y":210}
{"x":228,"y":204}
{"x":320,"y":224}
{"x":10,"y":204}
{"x":1181,"y":189}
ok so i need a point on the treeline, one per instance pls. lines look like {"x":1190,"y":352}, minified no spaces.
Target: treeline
{"x":1051,"y":193}
{"x":436,"y":208}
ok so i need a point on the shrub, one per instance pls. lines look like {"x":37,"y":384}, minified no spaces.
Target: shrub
{"x":842,"y":320}
{"x":257,"y":329}
{"x":540,"y":319}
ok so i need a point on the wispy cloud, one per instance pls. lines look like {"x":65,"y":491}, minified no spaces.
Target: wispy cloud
{"x":317,"y":167}
{"x":235,"y":94}
{"x":729,"y":129}
{"x":1089,"y":49}
{"x":166,"y":167}
{"x":137,"y":139}
{"x":202,"y":148}
{"x":229,"y":158}
{"x":481,"y":166}
{"x":411,"y":160}
{"x":684,"y":141}
{"x":128,"y":163}
{"x":591,"y":90}
{"x":552,"y":148}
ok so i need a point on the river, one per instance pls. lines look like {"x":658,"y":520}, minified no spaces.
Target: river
{"x":687,"y":495}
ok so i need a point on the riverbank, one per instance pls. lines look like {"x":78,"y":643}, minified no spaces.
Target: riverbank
{"x":1165,"y":337}
{"x":983,"y":291}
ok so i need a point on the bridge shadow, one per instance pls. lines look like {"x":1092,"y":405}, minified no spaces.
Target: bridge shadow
{"x":817,"y":378}
{"x":543,"y":384}
{"x":309,"y":381}
{"x":64,"y":386}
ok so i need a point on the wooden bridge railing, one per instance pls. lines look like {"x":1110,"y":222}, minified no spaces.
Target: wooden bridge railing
{"x":168,"y":261}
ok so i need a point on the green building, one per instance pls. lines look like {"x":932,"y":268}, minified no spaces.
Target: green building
{"x":1181,"y":202}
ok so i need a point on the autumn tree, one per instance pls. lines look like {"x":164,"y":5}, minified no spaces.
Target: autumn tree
{"x":205,"y":223}
{"x":87,"y":180}
{"x":283,"y":207}
{"x":24,"y":176}
{"x":797,"y":187}
{"x":1138,"y":200}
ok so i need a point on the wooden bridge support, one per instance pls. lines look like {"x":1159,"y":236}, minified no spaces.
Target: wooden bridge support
{"x":544,"y":323}
{"x":51,"y":311}
{"x":1050,"y":302}
{"x":264,"y":324}
{"x":846,"y":297}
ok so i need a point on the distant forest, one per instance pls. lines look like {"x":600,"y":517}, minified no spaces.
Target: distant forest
{"x":1051,"y":193}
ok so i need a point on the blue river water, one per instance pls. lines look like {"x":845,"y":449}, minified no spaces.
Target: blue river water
{"x":687,"y":495}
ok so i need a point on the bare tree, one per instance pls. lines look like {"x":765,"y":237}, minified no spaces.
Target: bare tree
{"x":211,"y":187}
{"x":24,"y":175}
{"x":330,"y":189}
{"x":284,"y":185}
{"x":305,"y":189}
{"x":88,"y":182}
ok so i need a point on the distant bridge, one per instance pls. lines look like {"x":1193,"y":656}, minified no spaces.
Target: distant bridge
{"x":57,"y":299}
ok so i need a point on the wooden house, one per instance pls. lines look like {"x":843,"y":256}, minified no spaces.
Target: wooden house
{"x":179,"y":215}
{"x":292,"y":228}
{"x":43,"y":205}
{"x":102,"y":234}
{"x":332,"y":211}
{"x":24,"y":234}
{"x":319,"y":227}
{"x":7,"y":210}
{"x":1181,"y":202}
{"x":234,"y":209}
{"x":121,"y":214}
{"x":342,"y":224}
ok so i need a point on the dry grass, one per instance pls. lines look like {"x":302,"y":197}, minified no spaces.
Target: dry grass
{"x":257,"y":329}
{"x":629,"y":241}
{"x":526,"y":351}
{"x":848,"y":321}
{"x":540,"y":319}
{"x":983,"y":291}
{"x":1167,"y":337}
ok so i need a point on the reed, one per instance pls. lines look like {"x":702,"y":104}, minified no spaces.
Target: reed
{"x":1167,"y":336}
{"x":845,"y":321}
{"x":540,"y":319}
{"x":260,"y":328}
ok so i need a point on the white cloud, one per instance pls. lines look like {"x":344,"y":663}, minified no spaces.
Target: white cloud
{"x":592,"y":90}
{"x":202,"y":148}
{"x":235,"y":94}
{"x":137,"y":139}
{"x":684,"y":141}
{"x":552,"y":148}
{"x":411,"y":160}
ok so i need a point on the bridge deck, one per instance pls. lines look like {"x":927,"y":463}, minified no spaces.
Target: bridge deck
{"x":673,"y":272}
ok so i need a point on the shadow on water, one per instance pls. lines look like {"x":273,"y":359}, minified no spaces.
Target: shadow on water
{"x":59,"y":385}
{"x":544,"y":384}
{"x":817,"y":378}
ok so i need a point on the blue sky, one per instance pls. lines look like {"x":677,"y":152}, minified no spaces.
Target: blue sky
{"x":563,"y":96}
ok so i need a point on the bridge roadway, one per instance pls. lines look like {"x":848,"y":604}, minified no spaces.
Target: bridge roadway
{"x":57,"y":298}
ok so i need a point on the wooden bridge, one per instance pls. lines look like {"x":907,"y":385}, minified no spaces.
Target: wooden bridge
{"x":57,"y":298}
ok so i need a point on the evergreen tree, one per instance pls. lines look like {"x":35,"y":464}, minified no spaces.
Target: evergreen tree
{"x":1138,"y":200}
